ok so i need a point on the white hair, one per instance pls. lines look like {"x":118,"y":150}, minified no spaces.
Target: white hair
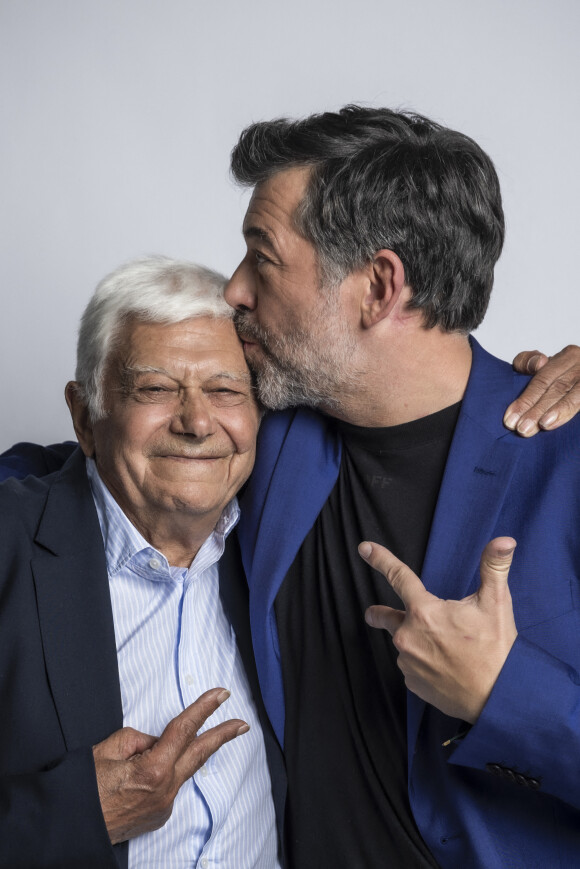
{"x":156,"y":289}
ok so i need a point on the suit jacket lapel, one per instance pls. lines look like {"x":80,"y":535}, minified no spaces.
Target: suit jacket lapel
{"x":276,"y":517}
{"x":75,"y":613}
{"x":234,"y":596}
{"x":480,"y":466}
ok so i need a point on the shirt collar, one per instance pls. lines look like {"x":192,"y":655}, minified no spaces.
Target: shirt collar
{"x":124,"y":543}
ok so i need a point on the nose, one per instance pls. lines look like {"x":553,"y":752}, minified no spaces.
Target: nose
{"x":194,"y":416}
{"x":240,"y":291}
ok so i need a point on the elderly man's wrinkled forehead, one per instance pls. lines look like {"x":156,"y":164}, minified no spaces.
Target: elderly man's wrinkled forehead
{"x":183,"y":339}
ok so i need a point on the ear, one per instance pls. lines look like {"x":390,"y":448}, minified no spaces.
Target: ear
{"x":386,"y":276}
{"x":80,"y":418}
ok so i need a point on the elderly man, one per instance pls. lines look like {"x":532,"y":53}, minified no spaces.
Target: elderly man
{"x":371,"y":242}
{"x":113,"y":616}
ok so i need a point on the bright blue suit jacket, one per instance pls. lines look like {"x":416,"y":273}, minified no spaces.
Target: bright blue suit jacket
{"x":476,"y":804}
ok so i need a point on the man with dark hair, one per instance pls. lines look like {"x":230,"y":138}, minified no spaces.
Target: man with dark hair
{"x":437,"y":202}
{"x":371,"y":238}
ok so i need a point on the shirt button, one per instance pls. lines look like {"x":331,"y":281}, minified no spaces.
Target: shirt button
{"x":154,"y":563}
{"x":205,"y":772}
{"x":189,"y":679}
{"x":204,"y":863}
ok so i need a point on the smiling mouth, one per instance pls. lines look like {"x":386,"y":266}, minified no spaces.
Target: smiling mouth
{"x":181,"y":458}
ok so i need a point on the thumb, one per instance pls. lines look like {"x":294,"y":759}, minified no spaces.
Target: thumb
{"x":495,"y":567}
{"x":123,"y":744}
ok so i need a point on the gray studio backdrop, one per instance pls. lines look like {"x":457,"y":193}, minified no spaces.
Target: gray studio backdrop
{"x":117,"y":118}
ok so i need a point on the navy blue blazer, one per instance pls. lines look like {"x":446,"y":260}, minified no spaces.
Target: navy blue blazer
{"x":59,"y":680}
{"x":509,"y":793}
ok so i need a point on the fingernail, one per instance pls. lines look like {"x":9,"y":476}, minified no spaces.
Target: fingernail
{"x":243,"y":729}
{"x":549,"y":419}
{"x":511,"y":420}
{"x":526,"y":427}
{"x":223,"y":696}
{"x":533,"y":361}
{"x":365,"y":549}
{"x":507,"y":549}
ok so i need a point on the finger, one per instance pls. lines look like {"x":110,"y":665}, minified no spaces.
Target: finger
{"x":401,"y":578}
{"x":123,"y":744}
{"x":563,"y":410}
{"x":551,"y":398}
{"x":207,"y":744}
{"x":182,"y":730}
{"x":529,"y":361}
{"x":494,"y":569}
{"x":384,"y":617}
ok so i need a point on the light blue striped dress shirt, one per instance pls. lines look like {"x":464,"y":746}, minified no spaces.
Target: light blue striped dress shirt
{"x":173,"y":643}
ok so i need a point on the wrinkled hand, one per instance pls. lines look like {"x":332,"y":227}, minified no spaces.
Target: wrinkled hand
{"x":552,"y":397}
{"x":138,"y":776}
{"x":450,"y":651}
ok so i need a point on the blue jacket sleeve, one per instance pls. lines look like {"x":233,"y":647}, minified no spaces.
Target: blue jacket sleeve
{"x":530,"y":724}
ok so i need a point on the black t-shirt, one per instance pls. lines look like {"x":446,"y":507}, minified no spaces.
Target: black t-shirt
{"x":345,"y":739}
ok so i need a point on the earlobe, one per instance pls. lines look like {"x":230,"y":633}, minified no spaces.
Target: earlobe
{"x":80,"y":418}
{"x":386,"y":282}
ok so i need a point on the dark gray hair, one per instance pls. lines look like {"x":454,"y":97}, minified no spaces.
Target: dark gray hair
{"x":394,"y":180}
{"x":156,"y":289}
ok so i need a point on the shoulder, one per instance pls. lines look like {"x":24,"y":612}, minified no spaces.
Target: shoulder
{"x":23,"y":500}
{"x":492,"y":378}
{"x":24,"y":458}
{"x":281,"y":428}
{"x":493,"y":385}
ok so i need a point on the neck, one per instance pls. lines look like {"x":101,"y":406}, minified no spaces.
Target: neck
{"x":177,"y":535}
{"x":408,"y":375}
{"x":178,"y":550}
{"x":179,"y":539}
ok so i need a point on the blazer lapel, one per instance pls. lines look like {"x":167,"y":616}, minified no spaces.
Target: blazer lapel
{"x":276,"y":517}
{"x":75,"y":613}
{"x":479,"y":469}
{"x":234,"y":596}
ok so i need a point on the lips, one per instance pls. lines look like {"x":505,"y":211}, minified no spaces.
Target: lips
{"x":193,"y":458}
{"x":246,"y":339}
{"x":250,"y":341}
{"x":248,"y":331}
{"x":197,"y":457}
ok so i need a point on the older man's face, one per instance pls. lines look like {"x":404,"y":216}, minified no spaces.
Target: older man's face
{"x":298,"y":337}
{"x":179,"y":437}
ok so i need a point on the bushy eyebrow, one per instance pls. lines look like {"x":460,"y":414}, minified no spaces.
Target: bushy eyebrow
{"x":261,"y":234}
{"x":144,"y":369}
{"x":242,"y":377}
{"x":130,"y":372}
